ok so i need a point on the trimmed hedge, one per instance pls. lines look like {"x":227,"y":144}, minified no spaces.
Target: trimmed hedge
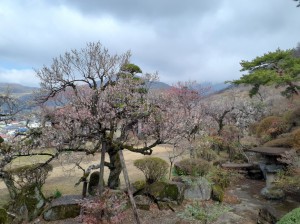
{"x":154,"y":168}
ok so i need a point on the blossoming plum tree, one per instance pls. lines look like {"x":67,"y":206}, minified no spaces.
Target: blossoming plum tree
{"x":98,"y":97}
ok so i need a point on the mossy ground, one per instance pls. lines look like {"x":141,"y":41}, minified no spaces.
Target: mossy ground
{"x":3,"y":216}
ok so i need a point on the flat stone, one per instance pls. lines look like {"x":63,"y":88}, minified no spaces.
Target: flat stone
{"x":268,"y":215}
{"x":273,"y":168}
{"x":273,"y":193}
{"x":68,"y":199}
{"x":271,"y":151}
{"x":238,"y":165}
{"x":142,"y":202}
{"x":63,"y":208}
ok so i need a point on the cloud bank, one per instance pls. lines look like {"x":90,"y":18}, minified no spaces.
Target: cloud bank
{"x":182,"y":40}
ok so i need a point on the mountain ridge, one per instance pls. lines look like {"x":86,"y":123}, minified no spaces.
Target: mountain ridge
{"x":20,"y":90}
{"x":16,"y":89}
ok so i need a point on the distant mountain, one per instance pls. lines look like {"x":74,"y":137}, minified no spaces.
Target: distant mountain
{"x":158,"y":85}
{"x":24,"y":93}
{"x":213,"y":87}
{"x":16,"y":89}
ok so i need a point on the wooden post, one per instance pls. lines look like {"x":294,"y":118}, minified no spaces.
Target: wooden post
{"x":127,"y":182}
{"x":101,"y":174}
{"x":84,"y":187}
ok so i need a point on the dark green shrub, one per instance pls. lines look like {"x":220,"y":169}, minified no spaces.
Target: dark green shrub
{"x":166,"y":191}
{"x":57,"y":194}
{"x":292,"y":217}
{"x":139,"y":185}
{"x":217,"y":193}
{"x":154,"y":168}
{"x":3,"y":216}
{"x":192,"y":167}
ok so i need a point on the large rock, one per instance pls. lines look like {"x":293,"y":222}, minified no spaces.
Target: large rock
{"x":63,"y":208}
{"x":142,"y":202}
{"x":28,"y":204}
{"x":273,"y":193}
{"x":166,"y":191}
{"x":268,"y":215}
{"x":197,"y":188}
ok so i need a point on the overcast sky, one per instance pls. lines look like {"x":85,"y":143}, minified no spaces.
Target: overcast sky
{"x":202,"y":40}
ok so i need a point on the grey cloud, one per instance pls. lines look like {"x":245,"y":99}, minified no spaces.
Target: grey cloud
{"x":146,"y":10}
{"x":201,"y":40}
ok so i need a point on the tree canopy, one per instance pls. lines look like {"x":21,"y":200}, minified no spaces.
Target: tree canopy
{"x":279,"y":68}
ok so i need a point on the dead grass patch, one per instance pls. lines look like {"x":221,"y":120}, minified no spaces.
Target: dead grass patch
{"x":65,"y":174}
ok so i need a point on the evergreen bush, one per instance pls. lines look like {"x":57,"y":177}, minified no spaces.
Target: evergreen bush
{"x":3,"y":216}
{"x":292,"y":217}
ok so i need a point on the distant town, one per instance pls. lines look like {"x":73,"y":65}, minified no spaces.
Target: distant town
{"x":15,"y":127}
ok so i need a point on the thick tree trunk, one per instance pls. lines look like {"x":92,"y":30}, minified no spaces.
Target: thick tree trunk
{"x":84,"y":188}
{"x":115,"y":170}
{"x":170,"y":170}
{"x":13,"y":191}
{"x":101,"y":175}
